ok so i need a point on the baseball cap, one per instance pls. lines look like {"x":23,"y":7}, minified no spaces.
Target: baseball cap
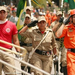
{"x":27,"y":15}
{"x":59,"y":13}
{"x":43,"y":13}
{"x":3,"y":8}
{"x":28,"y":7}
{"x":41,"y":18}
{"x":40,"y":13}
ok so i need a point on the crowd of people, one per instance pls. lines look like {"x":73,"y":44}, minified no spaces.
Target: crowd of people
{"x":39,"y":24}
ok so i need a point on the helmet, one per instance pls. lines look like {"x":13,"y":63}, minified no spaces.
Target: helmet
{"x":72,"y":12}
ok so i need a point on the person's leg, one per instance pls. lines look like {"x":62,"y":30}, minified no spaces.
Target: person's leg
{"x":8,"y":70}
{"x":22,"y":67}
{"x":61,"y":68}
{"x":65,"y":70}
{"x":47,"y":65}
{"x":29,"y":69}
{"x":37,"y":63}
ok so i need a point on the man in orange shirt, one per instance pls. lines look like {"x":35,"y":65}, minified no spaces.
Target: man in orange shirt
{"x":68,"y":32}
{"x":48,"y":18}
{"x":54,"y":17}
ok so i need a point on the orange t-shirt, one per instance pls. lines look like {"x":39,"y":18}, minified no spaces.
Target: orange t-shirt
{"x":48,"y":18}
{"x":69,"y":36}
{"x":54,"y":18}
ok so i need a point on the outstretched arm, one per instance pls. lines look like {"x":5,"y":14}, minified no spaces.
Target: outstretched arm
{"x":55,"y":27}
{"x":23,"y":29}
{"x":32,"y":24}
{"x":58,"y":23}
{"x":59,"y":31}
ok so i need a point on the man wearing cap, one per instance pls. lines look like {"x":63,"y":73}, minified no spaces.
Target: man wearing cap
{"x":8,"y":32}
{"x":57,"y":23}
{"x":48,"y":18}
{"x":53,"y":24}
{"x":68,"y":32}
{"x":42,"y":57}
{"x":29,"y":11}
{"x":54,"y":17}
{"x":26,"y":42}
{"x":58,"y":15}
{"x":63,"y":59}
{"x":64,"y":50}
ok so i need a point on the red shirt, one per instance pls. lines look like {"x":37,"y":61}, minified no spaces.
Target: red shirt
{"x":69,"y":36}
{"x":7,"y":30}
{"x":42,"y":32}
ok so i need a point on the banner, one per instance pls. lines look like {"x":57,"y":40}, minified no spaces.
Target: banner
{"x":71,"y":3}
{"x":21,"y":14}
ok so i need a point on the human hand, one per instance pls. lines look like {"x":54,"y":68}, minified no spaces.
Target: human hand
{"x":61,"y":20}
{"x":67,"y":21}
{"x":32,"y":24}
{"x":55,"y":58}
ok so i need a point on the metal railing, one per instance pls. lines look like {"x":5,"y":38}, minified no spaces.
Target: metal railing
{"x":2,"y":48}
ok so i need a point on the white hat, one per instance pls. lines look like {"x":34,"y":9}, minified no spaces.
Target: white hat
{"x":59,"y":13}
{"x":41,"y":18}
{"x":28,"y":7}
{"x":27,"y":15}
{"x":3,"y":8}
{"x":43,"y":13}
{"x":40,"y":13}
